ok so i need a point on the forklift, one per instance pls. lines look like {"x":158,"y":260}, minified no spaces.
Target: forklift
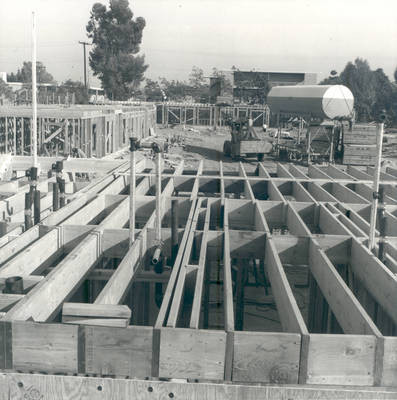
{"x":245,"y":141}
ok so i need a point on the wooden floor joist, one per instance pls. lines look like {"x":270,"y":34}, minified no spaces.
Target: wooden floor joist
{"x":272,"y":283}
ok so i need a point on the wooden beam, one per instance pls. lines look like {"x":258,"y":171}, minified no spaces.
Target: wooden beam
{"x":296,"y":172}
{"x":348,"y":311}
{"x":376,"y":277}
{"x":175,"y":271}
{"x":86,"y":388}
{"x":227,"y":275}
{"x":282,"y":172}
{"x":317,"y":173}
{"x":296,"y":226}
{"x":290,"y":317}
{"x":32,"y":258}
{"x":118,"y":285}
{"x":201,"y":270}
{"x":337,"y":173}
{"x":176,"y":303}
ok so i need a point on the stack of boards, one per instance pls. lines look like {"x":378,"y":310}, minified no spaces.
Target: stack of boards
{"x":359,"y":145}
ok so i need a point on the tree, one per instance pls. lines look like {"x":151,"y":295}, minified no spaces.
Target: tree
{"x":71,"y":87}
{"x":395,"y":75}
{"x":385,"y":96}
{"x":116,"y":37}
{"x":5,"y":90}
{"x":175,"y":90}
{"x":196,"y":77}
{"x":372,"y":90}
{"x":153,"y":91}
{"x":225,"y":83}
{"x":24,"y":74}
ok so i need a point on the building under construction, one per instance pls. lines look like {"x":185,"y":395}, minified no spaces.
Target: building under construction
{"x":240,"y":283}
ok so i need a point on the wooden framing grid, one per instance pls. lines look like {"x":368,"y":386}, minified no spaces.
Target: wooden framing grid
{"x":272,"y":284}
{"x":208,"y":114}
{"x":95,"y":131}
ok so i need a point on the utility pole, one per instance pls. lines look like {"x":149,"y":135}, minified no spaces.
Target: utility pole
{"x":85,"y":62}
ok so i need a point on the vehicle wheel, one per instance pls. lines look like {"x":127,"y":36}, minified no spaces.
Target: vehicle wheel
{"x":227,"y":148}
{"x":260,"y":156}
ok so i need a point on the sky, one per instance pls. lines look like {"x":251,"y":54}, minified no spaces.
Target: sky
{"x":269,"y":35}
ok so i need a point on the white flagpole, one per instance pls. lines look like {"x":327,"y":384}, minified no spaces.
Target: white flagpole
{"x":34,"y":93}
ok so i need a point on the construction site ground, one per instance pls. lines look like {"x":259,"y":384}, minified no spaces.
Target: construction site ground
{"x":204,"y":143}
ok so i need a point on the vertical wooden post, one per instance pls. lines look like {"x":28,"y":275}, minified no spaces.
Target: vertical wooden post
{"x":55,"y":196}
{"x":62,"y":195}
{"x":240,"y":295}
{"x":36,"y":206}
{"x":28,"y":211}
{"x":15,"y":136}
{"x":66,"y":138}
{"x":174,"y":229}
{"x":308,"y":145}
{"x":13,"y":285}
{"x":6,"y":135}
{"x":22,"y":136}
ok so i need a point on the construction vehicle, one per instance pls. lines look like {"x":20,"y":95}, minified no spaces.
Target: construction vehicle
{"x":245,"y":141}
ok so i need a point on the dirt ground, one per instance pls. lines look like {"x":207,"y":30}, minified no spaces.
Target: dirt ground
{"x":203,"y":143}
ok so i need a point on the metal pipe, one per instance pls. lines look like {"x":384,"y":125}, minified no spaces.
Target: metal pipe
{"x":28,"y":211}
{"x":55,"y":196}
{"x":13,"y":285}
{"x":371,"y":240}
{"x":134,"y":145}
{"x":174,"y":229}
{"x":36,"y":206}
{"x":132,"y":196}
{"x":158,"y":197}
{"x":382,"y":225}
{"x":156,"y":255}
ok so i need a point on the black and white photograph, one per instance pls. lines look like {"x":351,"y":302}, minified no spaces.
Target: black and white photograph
{"x":198,"y":199}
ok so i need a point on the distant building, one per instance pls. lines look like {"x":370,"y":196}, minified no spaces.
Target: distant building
{"x":252,"y":86}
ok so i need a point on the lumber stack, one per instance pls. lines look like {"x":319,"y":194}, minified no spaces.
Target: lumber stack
{"x":359,"y":145}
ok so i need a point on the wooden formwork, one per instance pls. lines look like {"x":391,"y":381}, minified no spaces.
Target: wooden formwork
{"x":209,"y":114}
{"x":288,"y":242}
{"x":95,"y":130}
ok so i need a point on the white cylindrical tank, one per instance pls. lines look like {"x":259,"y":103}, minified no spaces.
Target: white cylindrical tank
{"x":319,"y":101}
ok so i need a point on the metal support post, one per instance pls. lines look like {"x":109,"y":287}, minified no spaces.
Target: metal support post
{"x":134,"y":145}
{"x":382,"y":224}
{"x":157,"y":150}
{"x":371,"y":240}
{"x":34,"y":94}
